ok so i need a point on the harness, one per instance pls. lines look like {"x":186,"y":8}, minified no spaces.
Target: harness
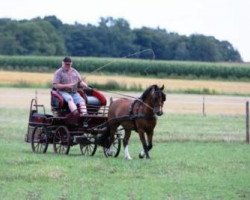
{"x":134,"y":113}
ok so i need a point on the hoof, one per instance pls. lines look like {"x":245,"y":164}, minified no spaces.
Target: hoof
{"x":110,"y":153}
{"x":141,"y":156}
{"x":128,"y":158}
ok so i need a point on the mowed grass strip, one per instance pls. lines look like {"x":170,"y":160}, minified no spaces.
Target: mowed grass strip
{"x":171,"y":85}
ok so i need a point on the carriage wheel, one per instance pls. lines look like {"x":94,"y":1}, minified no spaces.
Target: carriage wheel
{"x":115,"y":147}
{"x":39,"y":142}
{"x":61,"y":140}
{"x":88,"y":149}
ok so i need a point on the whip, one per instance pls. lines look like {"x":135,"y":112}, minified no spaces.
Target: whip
{"x":128,"y":56}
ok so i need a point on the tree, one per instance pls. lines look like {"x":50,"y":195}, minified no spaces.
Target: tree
{"x":34,"y":37}
{"x":110,"y":38}
{"x":116,"y":37}
{"x":8,"y":43}
{"x":54,"y":21}
{"x":181,"y":51}
{"x":162,"y":43}
{"x":204,"y":48}
{"x":229,"y":52}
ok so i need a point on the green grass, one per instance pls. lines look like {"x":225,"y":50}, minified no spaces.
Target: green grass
{"x":195,"y":127}
{"x":177,"y":170}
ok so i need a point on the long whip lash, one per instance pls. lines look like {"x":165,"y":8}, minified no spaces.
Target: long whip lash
{"x":128,"y":56}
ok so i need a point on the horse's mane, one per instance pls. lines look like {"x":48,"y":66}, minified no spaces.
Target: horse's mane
{"x":147,"y":91}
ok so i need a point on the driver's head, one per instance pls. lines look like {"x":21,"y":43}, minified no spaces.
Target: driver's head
{"x":67,"y":62}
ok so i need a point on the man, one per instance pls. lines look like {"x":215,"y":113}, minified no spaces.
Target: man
{"x":66,"y":80}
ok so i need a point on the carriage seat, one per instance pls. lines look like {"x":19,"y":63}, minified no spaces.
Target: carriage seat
{"x":57,"y":100}
{"x":92,"y":97}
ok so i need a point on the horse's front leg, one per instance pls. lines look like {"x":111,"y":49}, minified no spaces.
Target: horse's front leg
{"x":150,"y":140}
{"x":149,"y":146}
{"x":144,"y":145}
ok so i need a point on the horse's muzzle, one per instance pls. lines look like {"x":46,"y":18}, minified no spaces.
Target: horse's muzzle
{"x":158,"y":111}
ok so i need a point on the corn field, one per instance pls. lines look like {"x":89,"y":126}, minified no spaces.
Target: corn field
{"x":152,"y":68}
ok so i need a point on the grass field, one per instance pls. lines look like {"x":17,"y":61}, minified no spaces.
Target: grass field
{"x":193,"y":157}
{"x":24,"y":79}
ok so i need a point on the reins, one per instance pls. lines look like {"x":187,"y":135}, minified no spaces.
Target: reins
{"x":136,"y":99}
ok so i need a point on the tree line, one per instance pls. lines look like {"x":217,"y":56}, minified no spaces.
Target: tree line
{"x":110,"y":38}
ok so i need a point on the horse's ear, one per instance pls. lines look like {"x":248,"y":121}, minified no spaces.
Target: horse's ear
{"x":162,"y":87}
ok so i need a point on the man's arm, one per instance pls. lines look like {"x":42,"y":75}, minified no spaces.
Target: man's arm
{"x":61,"y":86}
{"x":83,"y":84}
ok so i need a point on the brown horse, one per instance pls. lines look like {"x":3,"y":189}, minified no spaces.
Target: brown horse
{"x":138,"y":115}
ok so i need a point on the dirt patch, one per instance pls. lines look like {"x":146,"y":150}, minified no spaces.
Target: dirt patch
{"x":176,"y":103}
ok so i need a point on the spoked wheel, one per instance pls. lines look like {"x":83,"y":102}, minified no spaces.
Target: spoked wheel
{"x":39,"y":142}
{"x":61,"y":140}
{"x":88,"y":149}
{"x":115,"y":147}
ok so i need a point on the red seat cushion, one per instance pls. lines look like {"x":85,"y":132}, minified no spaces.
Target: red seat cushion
{"x":56,"y":99}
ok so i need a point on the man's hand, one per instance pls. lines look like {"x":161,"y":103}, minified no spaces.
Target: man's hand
{"x":72,"y":86}
{"x":83,"y":84}
{"x":69,"y":87}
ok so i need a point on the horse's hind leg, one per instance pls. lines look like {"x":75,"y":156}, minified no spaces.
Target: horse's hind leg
{"x":125,"y":144}
{"x":111,"y":139}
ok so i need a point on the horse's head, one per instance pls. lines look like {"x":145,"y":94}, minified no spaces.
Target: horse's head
{"x":155,"y":97}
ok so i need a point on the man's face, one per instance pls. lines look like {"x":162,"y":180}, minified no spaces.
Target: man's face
{"x":67,"y":65}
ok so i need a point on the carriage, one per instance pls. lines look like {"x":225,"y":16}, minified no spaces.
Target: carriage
{"x":64,"y":129}
{"x":101,"y":127}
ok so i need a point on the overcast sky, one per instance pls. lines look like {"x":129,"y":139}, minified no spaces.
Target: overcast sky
{"x":224,"y":19}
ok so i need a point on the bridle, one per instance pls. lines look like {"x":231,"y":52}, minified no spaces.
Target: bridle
{"x":155,"y":106}
{"x":158,"y":104}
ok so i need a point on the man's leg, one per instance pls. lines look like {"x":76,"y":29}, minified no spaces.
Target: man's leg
{"x":69,"y":99}
{"x":81,"y":102}
{"x":72,"y":105}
